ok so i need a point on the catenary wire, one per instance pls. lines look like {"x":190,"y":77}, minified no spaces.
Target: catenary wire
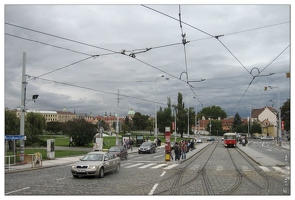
{"x":61,"y":37}
{"x":46,"y":44}
{"x":96,"y":90}
{"x":61,"y":68}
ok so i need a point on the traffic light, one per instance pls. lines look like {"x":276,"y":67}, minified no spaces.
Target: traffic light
{"x":287,"y":74}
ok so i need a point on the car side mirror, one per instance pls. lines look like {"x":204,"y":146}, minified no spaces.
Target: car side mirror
{"x":106,"y":159}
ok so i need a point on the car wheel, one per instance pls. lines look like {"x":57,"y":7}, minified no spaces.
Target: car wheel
{"x":101,"y":173}
{"x":118,"y":168}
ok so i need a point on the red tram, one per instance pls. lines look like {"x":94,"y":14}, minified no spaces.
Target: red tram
{"x":230,"y":139}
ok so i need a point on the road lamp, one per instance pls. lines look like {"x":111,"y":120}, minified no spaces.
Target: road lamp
{"x":156,"y":123}
{"x":196,"y":120}
{"x":210,"y":125}
{"x":249,"y":121}
{"x":23,"y":106}
{"x":279,"y":134}
{"x":175,"y":124}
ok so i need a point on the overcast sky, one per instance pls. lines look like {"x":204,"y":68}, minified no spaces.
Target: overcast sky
{"x":75,"y":59}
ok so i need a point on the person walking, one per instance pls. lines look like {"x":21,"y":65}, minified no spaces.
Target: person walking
{"x":183,"y":149}
{"x":176,"y":148}
{"x":71,"y":142}
{"x":131,"y":144}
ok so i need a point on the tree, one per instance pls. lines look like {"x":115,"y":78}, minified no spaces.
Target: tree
{"x":102,"y":124}
{"x":236,"y":123}
{"x":34,"y":126}
{"x":213,"y":112}
{"x":164,"y":117}
{"x":54,"y":126}
{"x":140,"y":122}
{"x":12,"y":123}
{"x":81,"y":131}
{"x":256,"y":128}
{"x":216,"y":126}
{"x":180,"y":115}
{"x":285,"y":115}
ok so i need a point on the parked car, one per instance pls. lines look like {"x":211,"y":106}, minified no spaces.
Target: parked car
{"x":96,"y":163}
{"x":267,"y":138}
{"x":210,"y":139}
{"x":257,"y":136}
{"x":119,"y":151}
{"x":147,"y":147}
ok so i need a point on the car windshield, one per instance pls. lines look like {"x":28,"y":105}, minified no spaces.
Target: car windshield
{"x":146,"y":144}
{"x":114,"y":149}
{"x":92,"y":157}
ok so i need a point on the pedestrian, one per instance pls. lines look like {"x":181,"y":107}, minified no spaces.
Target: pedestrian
{"x":159,"y":142}
{"x":156,"y":142}
{"x":176,"y":151}
{"x":183,"y":149}
{"x":171,"y":157}
{"x":131,"y":144}
{"x":71,"y":142}
{"x":243,"y":141}
{"x":191,"y":145}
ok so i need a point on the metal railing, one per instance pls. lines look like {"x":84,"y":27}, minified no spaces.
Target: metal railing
{"x":34,"y":159}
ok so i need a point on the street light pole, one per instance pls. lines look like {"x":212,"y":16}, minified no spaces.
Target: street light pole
{"x":188,"y":122}
{"x":23,"y":108}
{"x":210,"y":125}
{"x":117,"y":124}
{"x":279,"y":134}
{"x":175,"y":125}
{"x":156,"y":105}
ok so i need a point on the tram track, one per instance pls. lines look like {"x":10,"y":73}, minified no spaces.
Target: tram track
{"x":234,"y":180}
{"x":243,"y":177}
{"x":178,"y":177}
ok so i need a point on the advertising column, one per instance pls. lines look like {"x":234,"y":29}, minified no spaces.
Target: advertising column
{"x":50,"y":149}
{"x":167,"y":144}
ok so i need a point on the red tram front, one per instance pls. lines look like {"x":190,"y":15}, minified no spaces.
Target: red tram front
{"x":230,"y":139}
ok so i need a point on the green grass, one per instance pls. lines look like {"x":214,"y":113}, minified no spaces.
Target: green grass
{"x":61,"y":140}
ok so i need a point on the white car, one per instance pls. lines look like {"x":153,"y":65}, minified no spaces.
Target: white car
{"x":96,"y":163}
{"x":267,"y":138}
{"x":199,"y":140}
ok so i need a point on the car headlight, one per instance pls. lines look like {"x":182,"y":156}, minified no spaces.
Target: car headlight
{"x":92,"y":167}
{"x":73,"y":166}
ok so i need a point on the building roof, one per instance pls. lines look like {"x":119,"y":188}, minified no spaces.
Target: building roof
{"x":42,"y":111}
{"x":256,"y":112}
{"x":131,"y":112}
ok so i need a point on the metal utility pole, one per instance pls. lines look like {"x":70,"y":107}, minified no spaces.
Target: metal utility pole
{"x":117,"y":125}
{"x":23,"y":108}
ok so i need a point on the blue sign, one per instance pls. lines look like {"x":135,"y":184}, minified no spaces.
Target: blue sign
{"x":14,"y":137}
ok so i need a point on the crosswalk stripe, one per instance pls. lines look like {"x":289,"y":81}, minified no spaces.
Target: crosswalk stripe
{"x":264,"y":168}
{"x":283,"y":171}
{"x":122,"y":165}
{"x":158,"y":166}
{"x":133,"y":165}
{"x":171,"y":166}
{"x":145,"y":166}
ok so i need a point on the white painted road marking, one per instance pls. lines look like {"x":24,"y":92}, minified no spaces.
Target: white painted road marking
{"x":145,"y":166}
{"x":18,"y":190}
{"x":171,"y":166}
{"x":153,"y":189}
